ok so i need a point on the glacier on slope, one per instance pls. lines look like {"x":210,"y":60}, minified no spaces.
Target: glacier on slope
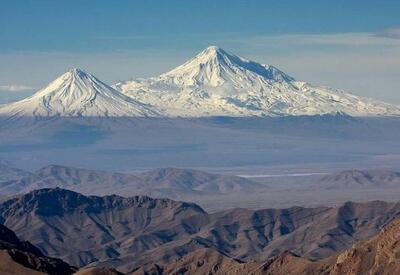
{"x":74,"y":94}
{"x":218,"y":83}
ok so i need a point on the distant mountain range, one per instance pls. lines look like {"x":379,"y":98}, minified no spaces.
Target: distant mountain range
{"x":166,"y":182}
{"x":213,"y":83}
{"x":174,"y":183}
{"x":375,"y":178}
{"x":130,"y":233}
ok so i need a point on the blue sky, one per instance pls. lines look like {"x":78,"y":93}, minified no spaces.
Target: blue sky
{"x":352,"y":45}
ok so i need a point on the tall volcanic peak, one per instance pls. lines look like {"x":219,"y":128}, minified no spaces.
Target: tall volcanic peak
{"x":218,"y":83}
{"x":214,"y":66}
{"x":77,"y":93}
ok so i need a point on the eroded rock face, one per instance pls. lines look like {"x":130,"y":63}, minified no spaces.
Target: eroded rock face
{"x":201,"y":261}
{"x":378,"y":255}
{"x":84,"y":229}
{"x":98,"y":271}
{"x":20,"y":257}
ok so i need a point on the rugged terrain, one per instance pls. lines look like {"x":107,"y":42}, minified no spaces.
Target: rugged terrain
{"x":131,"y":232}
{"x":378,"y":255}
{"x":21,"y":257}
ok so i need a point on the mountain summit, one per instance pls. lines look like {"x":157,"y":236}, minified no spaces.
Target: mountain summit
{"x":214,"y":67}
{"x":216,"y":82}
{"x":77,"y":93}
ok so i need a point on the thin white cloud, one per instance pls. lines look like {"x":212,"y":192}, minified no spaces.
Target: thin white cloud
{"x":390,"y":33}
{"x":321,"y":40}
{"x":15,"y":88}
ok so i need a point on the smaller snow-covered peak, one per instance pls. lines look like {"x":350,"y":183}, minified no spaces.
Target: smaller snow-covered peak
{"x":77,"y":93}
{"x":75,"y":84}
{"x":76,"y":76}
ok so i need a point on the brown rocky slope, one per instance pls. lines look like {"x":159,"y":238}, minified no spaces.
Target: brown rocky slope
{"x":20,"y":257}
{"x":378,"y":255}
{"x":127,"y":233}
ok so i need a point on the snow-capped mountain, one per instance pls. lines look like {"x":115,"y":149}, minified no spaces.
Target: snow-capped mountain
{"x":213,"y":83}
{"x":216,"y":82}
{"x":77,"y":93}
